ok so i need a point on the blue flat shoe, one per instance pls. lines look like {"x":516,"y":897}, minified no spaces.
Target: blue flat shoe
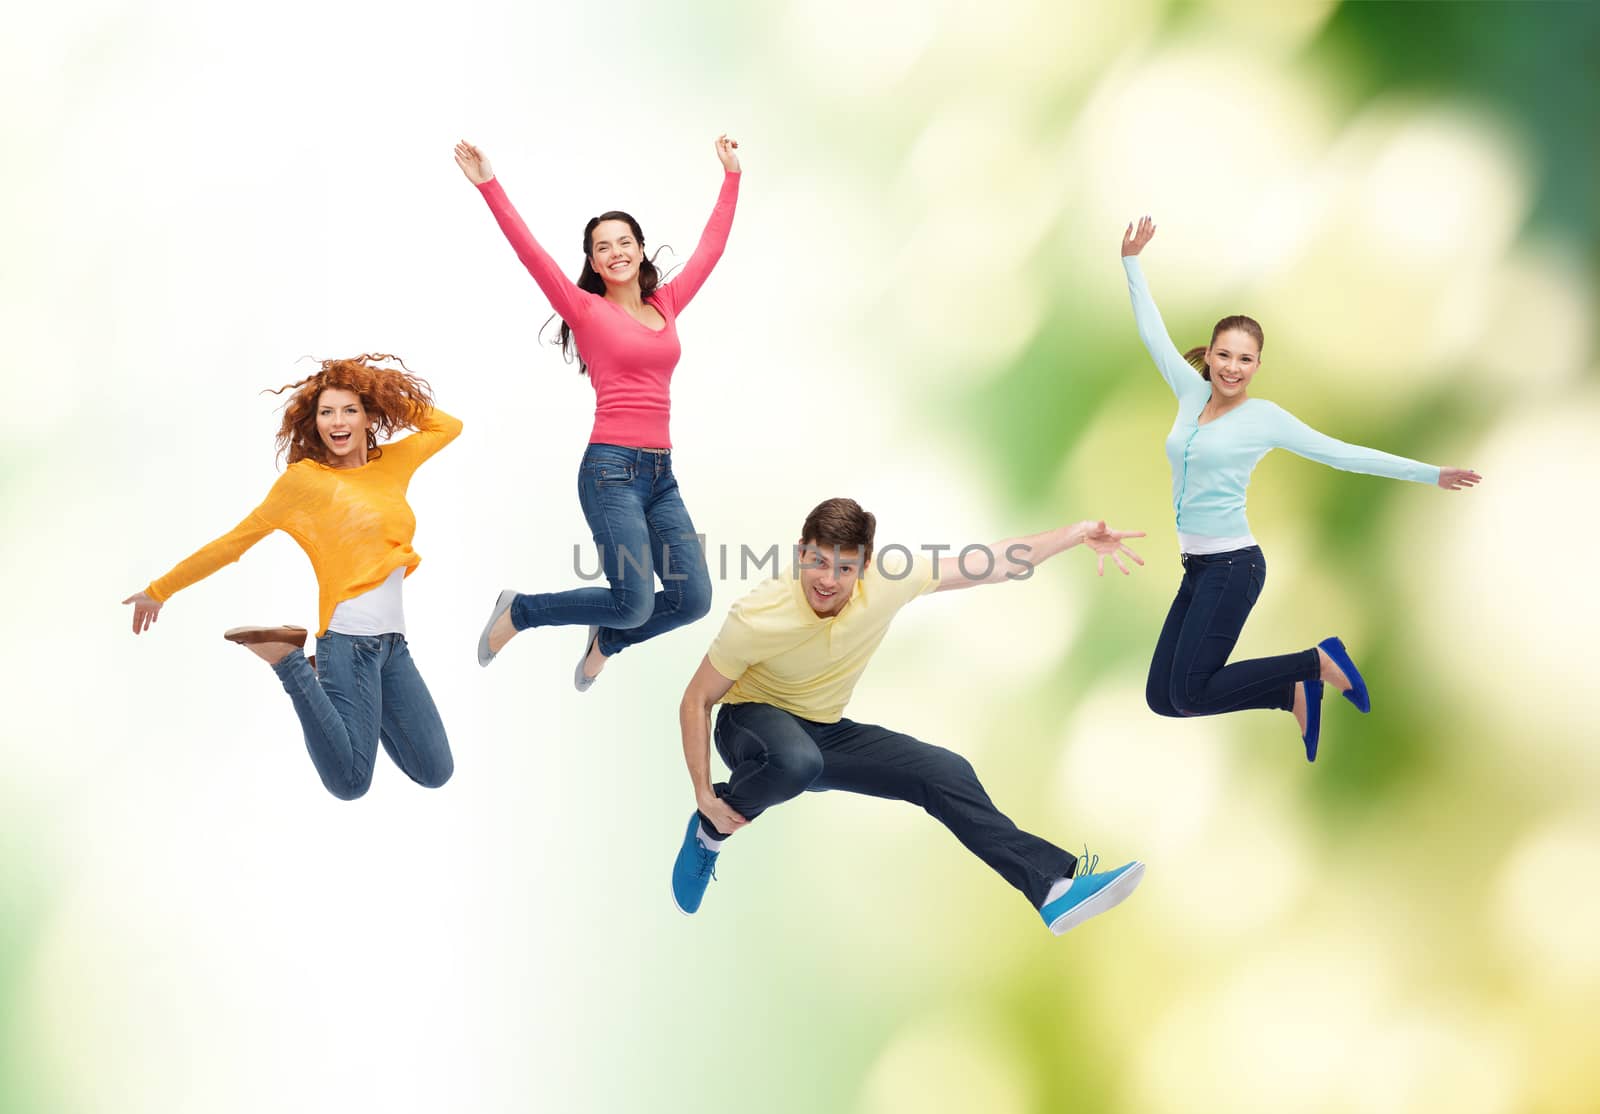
{"x":1357,"y":694}
{"x":1313,"y":718}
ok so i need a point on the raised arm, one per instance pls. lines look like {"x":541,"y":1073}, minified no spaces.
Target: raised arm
{"x":1015,"y":558}
{"x":687,"y":282}
{"x":565,"y":297}
{"x":694,"y":717}
{"x":197,"y":566}
{"x":1289,"y":432}
{"x":434,"y":430}
{"x":1180,"y":376}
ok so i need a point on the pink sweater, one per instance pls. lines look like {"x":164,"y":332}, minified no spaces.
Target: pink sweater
{"x":630,"y":364}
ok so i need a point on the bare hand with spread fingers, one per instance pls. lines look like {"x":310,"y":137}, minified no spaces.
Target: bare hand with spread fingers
{"x":1108,"y":543}
{"x":1134,"y":240}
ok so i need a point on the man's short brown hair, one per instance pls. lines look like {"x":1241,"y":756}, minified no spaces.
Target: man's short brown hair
{"x":842,"y":524}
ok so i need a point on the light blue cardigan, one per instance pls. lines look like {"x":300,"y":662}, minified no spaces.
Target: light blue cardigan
{"x":1211,"y":463}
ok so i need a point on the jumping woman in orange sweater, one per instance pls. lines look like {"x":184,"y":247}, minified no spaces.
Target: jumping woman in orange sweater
{"x":343,"y":499}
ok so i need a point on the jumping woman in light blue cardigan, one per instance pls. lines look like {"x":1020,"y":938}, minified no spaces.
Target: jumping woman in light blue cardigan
{"x":1219,"y":436}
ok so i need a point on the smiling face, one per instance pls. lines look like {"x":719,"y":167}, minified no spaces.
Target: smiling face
{"x":615,"y":252}
{"x":342,"y":424}
{"x":828,"y":575}
{"x":1233,"y":360}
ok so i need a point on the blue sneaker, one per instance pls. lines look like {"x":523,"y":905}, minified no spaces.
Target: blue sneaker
{"x":1091,"y":893}
{"x":693,"y":870}
{"x":1357,"y":693}
{"x":1313,"y":718}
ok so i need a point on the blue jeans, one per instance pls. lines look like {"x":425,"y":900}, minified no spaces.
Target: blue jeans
{"x":775,"y":755}
{"x":366,"y":688}
{"x":1190,"y":674}
{"x":642,"y":531}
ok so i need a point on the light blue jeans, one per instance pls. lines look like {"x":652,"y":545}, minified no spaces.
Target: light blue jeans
{"x":643,"y":531}
{"x":366,"y":688}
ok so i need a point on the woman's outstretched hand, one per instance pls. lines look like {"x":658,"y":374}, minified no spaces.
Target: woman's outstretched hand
{"x":727,"y":151}
{"x":473,"y":163}
{"x":1108,"y":543}
{"x":145,"y":611}
{"x":1454,"y":479}
{"x":1134,"y":240}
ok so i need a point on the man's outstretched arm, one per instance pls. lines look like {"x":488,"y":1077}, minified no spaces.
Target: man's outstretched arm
{"x":1015,"y":558}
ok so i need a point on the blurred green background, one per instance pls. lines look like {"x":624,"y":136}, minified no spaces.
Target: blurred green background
{"x":921,"y":307}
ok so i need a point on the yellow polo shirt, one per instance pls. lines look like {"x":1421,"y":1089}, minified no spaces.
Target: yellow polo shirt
{"x":777,"y":651}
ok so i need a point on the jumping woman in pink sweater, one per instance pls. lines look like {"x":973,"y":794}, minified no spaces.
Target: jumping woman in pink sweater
{"x":620,"y":320}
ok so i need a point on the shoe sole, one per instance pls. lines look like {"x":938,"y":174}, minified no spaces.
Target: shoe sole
{"x":252,"y":636}
{"x":1108,"y":898}
{"x":502,"y":604}
{"x":679,"y":908}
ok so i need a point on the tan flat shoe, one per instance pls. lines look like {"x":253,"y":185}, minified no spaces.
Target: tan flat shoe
{"x":250,"y":636}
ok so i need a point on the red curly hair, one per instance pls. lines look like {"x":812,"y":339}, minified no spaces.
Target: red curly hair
{"x":394,"y":400}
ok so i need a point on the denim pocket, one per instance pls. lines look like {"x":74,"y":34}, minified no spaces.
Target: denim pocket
{"x":609,"y":474}
{"x":1257,"y":578}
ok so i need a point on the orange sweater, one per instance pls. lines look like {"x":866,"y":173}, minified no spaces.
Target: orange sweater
{"x":354,"y":523}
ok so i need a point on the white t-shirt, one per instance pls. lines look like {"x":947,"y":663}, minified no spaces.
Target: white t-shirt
{"x":1200,"y":545}
{"x":376,"y":612}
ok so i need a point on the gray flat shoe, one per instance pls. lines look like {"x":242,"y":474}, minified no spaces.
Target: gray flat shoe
{"x":501,"y":606}
{"x":579,"y":681}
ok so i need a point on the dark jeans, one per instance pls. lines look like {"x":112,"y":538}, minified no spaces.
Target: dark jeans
{"x":775,"y":756}
{"x":366,"y":688}
{"x":642,"y":530}
{"x":1190,"y":674}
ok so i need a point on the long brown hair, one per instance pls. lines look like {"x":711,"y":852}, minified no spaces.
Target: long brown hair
{"x":394,"y":400}
{"x":589,"y":279}
{"x":1247,"y":325}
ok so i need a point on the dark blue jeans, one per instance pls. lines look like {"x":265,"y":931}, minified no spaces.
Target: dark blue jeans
{"x":1190,"y":674}
{"x":774,"y":755}
{"x":643,"y":531}
{"x":366,"y":688}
